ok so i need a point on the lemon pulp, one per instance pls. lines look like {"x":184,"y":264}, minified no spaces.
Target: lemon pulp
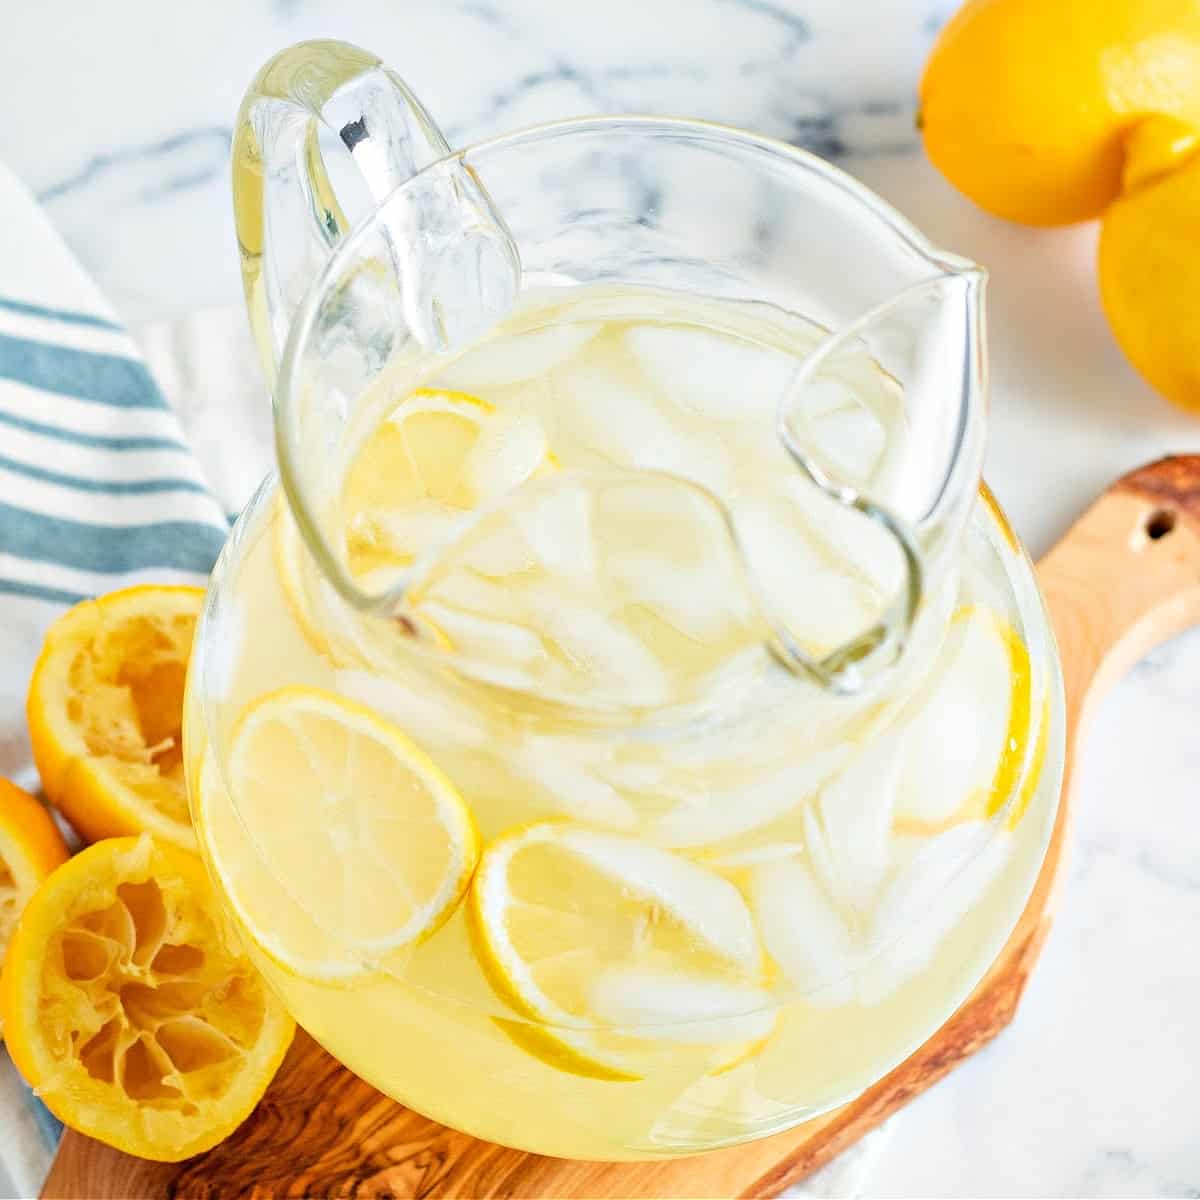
{"x":127,"y":1010}
{"x":104,"y":711}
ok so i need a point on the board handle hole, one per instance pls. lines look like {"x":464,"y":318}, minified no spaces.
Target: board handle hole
{"x":1159,"y":523}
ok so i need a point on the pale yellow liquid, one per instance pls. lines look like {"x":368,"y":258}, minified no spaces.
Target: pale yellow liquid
{"x":422,"y":1027}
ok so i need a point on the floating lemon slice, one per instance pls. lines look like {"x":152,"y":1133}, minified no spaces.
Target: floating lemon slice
{"x":966,"y":750}
{"x":105,"y":710}
{"x":596,"y":936}
{"x":340,"y":819}
{"x":30,"y":848}
{"x":272,"y":914}
{"x":437,"y":456}
{"x":126,"y":1010}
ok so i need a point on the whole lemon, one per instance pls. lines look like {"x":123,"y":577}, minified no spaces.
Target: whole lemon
{"x":1149,"y":267}
{"x":1026,"y":105}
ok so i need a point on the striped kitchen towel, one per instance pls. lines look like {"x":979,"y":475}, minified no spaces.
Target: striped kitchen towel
{"x":98,"y":490}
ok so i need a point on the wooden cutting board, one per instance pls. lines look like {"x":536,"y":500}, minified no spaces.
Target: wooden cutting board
{"x":1125,"y":577}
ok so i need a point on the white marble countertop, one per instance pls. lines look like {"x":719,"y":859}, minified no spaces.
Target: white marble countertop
{"x":118,"y":116}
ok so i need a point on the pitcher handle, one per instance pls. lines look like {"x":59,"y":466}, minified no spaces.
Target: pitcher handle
{"x":288,"y":216}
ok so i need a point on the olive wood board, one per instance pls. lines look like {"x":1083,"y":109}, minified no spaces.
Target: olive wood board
{"x":1125,"y":577}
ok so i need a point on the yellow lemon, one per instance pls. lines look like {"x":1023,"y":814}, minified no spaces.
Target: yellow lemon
{"x":105,"y":710}
{"x":1028,"y":106}
{"x":123,"y":1006}
{"x":30,"y":848}
{"x":1149,"y":267}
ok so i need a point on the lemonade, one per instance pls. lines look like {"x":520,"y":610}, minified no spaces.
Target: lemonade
{"x":548,"y":842}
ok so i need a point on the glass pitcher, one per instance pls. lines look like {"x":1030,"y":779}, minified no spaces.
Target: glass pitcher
{"x":627,"y":726}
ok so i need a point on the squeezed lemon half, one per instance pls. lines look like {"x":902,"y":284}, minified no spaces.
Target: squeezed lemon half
{"x":105,"y":709}
{"x":30,"y":848}
{"x":126,"y":1010}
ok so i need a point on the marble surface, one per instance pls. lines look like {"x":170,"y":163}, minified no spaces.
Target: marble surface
{"x":118,"y":116}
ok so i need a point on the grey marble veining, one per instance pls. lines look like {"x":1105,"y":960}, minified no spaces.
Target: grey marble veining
{"x":134,"y":148}
{"x":119,"y":117}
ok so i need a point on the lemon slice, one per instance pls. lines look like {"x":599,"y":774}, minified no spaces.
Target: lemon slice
{"x":436,"y":457}
{"x":596,"y":936}
{"x":439,"y":455}
{"x":356,"y":824}
{"x":30,"y":848}
{"x":128,"y":1012}
{"x":105,"y":711}
{"x":271,"y":915}
{"x":966,"y":747}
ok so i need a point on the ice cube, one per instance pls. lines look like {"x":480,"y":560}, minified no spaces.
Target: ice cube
{"x":511,"y":446}
{"x":754,"y":856}
{"x":773,"y":716}
{"x":409,"y":530}
{"x":492,"y":547}
{"x":849,"y":541}
{"x":670,"y":532}
{"x":636,"y":776}
{"x":563,"y":771}
{"x":711,"y":907}
{"x":844,"y":425}
{"x":702,"y":601}
{"x":955,"y":742}
{"x":852,"y":849}
{"x":485,"y":640}
{"x":546,"y":525}
{"x":851,"y":441}
{"x":709,"y":817}
{"x":803,"y":932}
{"x":624,"y":426}
{"x":943,"y":880}
{"x":556,"y":522}
{"x":850,"y":416}
{"x":608,"y":659}
{"x":713,"y":376}
{"x":681,"y":1007}
{"x":654,"y":512}
{"x":464,"y":589}
{"x":513,"y":359}
{"x":819,"y":601}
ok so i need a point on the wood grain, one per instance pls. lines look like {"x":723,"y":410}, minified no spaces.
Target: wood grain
{"x":1124,"y":578}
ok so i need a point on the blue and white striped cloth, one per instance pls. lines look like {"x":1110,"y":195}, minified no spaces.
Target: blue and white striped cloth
{"x":98,"y":490}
